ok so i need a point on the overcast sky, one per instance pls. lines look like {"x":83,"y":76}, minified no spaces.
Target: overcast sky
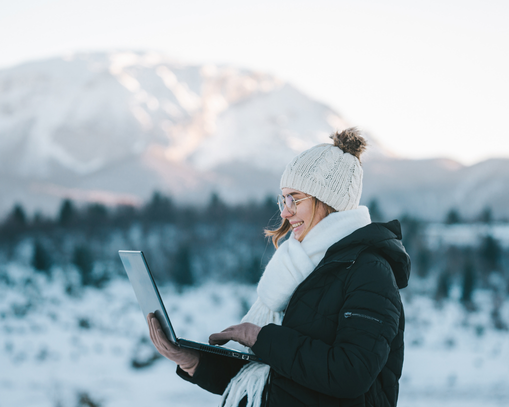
{"x":426,"y":78}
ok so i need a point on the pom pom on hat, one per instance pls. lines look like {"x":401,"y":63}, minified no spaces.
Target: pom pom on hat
{"x":350,"y":141}
{"x":330,"y":172}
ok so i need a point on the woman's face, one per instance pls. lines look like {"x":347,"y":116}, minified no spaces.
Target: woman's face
{"x":303,"y":221}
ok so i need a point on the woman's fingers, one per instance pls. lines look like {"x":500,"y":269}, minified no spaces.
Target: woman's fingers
{"x":217,"y":340}
{"x":160,"y":339}
{"x":222,"y":337}
{"x":151,"y":333}
{"x":151,"y":329}
{"x":245,"y":333}
{"x":188,"y":359}
{"x":163,"y":340}
{"x":156,"y":334}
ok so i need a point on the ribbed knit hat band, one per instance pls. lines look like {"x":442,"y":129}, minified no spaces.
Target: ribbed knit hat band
{"x":327,"y":173}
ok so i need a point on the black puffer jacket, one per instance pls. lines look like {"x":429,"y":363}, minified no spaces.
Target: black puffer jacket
{"x":341,"y":341}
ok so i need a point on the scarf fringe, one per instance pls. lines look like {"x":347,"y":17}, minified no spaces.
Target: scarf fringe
{"x":247,"y":383}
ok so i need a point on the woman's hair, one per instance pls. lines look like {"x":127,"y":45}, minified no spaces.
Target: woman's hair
{"x":285,"y":227}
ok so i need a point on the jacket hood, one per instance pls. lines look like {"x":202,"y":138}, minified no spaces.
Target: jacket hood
{"x":385,"y":238}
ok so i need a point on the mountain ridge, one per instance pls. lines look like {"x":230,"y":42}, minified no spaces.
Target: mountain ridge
{"x":116,"y":126}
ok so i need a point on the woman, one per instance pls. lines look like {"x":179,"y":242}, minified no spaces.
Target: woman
{"x":328,"y":322}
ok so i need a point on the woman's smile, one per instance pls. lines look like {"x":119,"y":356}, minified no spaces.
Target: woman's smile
{"x":298,"y":228}
{"x":296,"y":224}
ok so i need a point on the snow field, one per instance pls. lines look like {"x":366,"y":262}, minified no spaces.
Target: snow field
{"x":54,"y":346}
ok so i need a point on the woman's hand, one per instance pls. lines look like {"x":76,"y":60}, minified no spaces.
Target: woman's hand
{"x":187,"y":359}
{"x":245,"y":334}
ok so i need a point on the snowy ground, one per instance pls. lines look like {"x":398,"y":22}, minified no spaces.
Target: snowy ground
{"x":55,"y":347}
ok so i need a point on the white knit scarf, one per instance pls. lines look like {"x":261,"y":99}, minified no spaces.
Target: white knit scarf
{"x":292,"y":262}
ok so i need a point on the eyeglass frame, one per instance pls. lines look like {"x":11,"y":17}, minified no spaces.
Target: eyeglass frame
{"x":294,"y":201}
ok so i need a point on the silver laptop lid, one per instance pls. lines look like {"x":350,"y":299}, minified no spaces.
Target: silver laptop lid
{"x":146,"y":290}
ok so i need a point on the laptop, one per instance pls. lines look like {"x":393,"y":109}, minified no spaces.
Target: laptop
{"x":149,"y":299}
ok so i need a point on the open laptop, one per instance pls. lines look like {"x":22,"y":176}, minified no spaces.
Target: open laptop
{"x":149,"y":299}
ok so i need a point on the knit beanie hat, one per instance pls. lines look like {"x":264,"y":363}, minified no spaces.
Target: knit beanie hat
{"x":332,"y":173}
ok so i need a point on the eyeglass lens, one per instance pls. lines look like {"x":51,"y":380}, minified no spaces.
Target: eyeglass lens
{"x":287,"y":201}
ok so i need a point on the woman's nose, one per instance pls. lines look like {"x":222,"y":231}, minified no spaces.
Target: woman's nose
{"x":286,"y":213}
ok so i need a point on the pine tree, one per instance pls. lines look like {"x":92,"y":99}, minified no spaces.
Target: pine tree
{"x":38,"y":218}
{"x":468,"y":284}
{"x":67,"y":213}
{"x":182,"y":274}
{"x":443,"y":286}
{"x":125,"y":215}
{"x":423,"y":260}
{"x":41,"y":260}
{"x":490,"y":253}
{"x":253,"y":271}
{"x":412,"y":232}
{"x":217,"y":209}
{"x":453,"y":217}
{"x":18,"y":215}
{"x":486,"y":215}
{"x":375,"y":211}
{"x":159,"y":209}
{"x":84,"y":262}
{"x":97,"y":213}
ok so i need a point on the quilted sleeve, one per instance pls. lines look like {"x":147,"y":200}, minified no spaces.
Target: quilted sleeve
{"x":214,"y":372}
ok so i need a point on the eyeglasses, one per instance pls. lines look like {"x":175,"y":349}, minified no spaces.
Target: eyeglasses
{"x":290,"y":203}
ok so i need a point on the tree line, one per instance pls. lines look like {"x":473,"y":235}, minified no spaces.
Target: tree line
{"x":188,"y":244}
{"x":81,"y":236}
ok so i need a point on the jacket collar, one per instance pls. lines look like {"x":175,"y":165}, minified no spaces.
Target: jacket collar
{"x":385,"y":238}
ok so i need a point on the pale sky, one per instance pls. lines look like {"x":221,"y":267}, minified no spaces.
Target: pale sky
{"x":426,"y":78}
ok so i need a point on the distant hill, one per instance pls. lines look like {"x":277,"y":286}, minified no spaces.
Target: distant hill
{"x":114,"y":127}
{"x":430,"y":188}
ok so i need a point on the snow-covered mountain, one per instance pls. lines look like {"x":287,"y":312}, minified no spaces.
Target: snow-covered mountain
{"x":114,"y":127}
{"x":85,"y":113}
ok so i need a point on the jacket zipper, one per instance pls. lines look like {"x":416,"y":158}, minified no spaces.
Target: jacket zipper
{"x":353,"y":314}
{"x":266,"y":391}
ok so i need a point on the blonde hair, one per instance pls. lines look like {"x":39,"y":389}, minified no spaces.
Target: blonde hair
{"x":285,"y":227}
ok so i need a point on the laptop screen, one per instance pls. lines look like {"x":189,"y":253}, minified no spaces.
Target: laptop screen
{"x":145,"y":289}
